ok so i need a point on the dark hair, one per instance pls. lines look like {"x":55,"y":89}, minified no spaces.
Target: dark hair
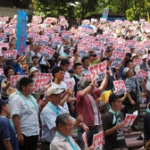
{"x":56,"y":69}
{"x":127,"y":62}
{"x":128,"y":54}
{"x":24,"y":82}
{"x":6,"y":69}
{"x":64,"y":62}
{"x":84,"y":58}
{"x":62,"y":119}
{"x":35,"y":56}
{"x":76,"y":65}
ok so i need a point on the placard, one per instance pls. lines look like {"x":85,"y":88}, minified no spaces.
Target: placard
{"x":98,"y":141}
{"x":10,"y":54}
{"x":120,"y":87}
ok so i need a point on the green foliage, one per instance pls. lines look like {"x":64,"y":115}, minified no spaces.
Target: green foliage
{"x":134,"y":9}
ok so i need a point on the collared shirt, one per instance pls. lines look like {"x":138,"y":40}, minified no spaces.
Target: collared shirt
{"x":48,"y":117}
{"x":60,"y":143}
{"x":27,"y":109}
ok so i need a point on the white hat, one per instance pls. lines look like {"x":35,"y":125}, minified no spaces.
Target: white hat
{"x":134,"y":54}
{"x":54,"y":90}
{"x":126,"y":70}
{"x":144,"y":56}
{"x":33,"y":69}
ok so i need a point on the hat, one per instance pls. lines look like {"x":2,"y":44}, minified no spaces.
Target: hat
{"x":3,"y":103}
{"x":144,"y":56}
{"x":66,"y":47}
{"x":113,"y":97}
{"x":33,"y":69}
{"x":134,"y":54}
{"x":54,"y":90}
{"x":126,"y":70}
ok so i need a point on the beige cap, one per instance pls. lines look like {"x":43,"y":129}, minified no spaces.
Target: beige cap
{"x":144,"y":56}
{"x":134,"y":54}
{"x":54,"y":90}
{"x":33,"y":69}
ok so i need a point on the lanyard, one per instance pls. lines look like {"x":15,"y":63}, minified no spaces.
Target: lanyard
{"x":54,"y":108}
{"x":114,"y":115}
{"x":35,"y":106}
{"x":68,"y":139}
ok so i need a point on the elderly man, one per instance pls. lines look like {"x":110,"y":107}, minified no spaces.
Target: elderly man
{"x":62,"y":139}
{"x":49,"y":115}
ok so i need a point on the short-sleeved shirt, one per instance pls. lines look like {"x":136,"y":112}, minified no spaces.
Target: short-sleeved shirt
{"x":48,"y":117}
{"x":60,"y":143}
{"x":7,"y":132}
{"x":117,"y":138}
{"x":28,"y":113}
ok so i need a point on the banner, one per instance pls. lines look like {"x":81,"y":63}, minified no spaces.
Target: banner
{"x":98,"y":70}
{"x":120,"y":87}
{"x":14,"y":79}
{"x":10,"y":54}
{"x":41,"y":80}
{"x":85,"y":139}
{"x":98,"y":141}
{"x":21,"y":31}
{"x":142,"y":75}
{"x":105,"y":13}
{"x":129,"y":120}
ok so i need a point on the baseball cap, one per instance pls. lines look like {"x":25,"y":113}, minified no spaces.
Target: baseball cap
{"x":3,"y":103}
{"x":144,"y":56}
{"x":54,"y":90}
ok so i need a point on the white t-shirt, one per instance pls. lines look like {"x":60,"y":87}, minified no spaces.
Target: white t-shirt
{"x":27,"y":109}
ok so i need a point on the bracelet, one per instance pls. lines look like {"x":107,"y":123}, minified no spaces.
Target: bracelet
{"x":82,"y":123}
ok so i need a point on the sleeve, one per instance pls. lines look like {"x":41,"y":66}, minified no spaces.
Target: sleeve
{"x":106,"y":122}
{"x":78,"y":96}
{"x":15,"y":106}
{"x":3,"y":84}
{"x":5,"y":132}
{"x":48,"y":119}
{"x":97,"y":92}
{"x":128,"y":85}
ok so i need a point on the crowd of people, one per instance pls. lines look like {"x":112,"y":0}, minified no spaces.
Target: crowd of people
{"x":72,"y":102}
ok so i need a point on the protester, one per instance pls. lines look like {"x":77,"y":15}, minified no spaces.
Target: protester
{"x":24,"y":112}
{"x":62,"y":139}
{"x":49,"y":115}
{"x":8,"y":140}
{"x":113,"y":125}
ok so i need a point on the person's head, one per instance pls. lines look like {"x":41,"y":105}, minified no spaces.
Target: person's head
{"x":4,"y":109}
{"x":128,"y":72}
{"x":115,"y":102}
{"x":75,"y":52}
{"x":8,"y":71}
{"x":128,"y":56}
{"x":92,"y":55}
{"x":134,"y":56}
{"x":35,"y":59}
{"x":144,"y":57}
{"x":53,"y":95}
{"x":129,"y":64}
{"x":85,"y":62}
{"x":58,"y":73}
{"x":26,"y":85}
{"x":33,"y":71}
{"x":65,"y":64}
{"x":64,"y":124}
{"x":78,"y":68}
{"x":67,"y":49}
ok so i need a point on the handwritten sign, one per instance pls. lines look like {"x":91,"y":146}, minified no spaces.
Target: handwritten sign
{"x":85,"y":139}
{"x":142,"y":74}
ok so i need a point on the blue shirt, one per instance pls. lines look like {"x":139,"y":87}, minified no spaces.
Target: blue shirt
{"x":7,"y":132}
